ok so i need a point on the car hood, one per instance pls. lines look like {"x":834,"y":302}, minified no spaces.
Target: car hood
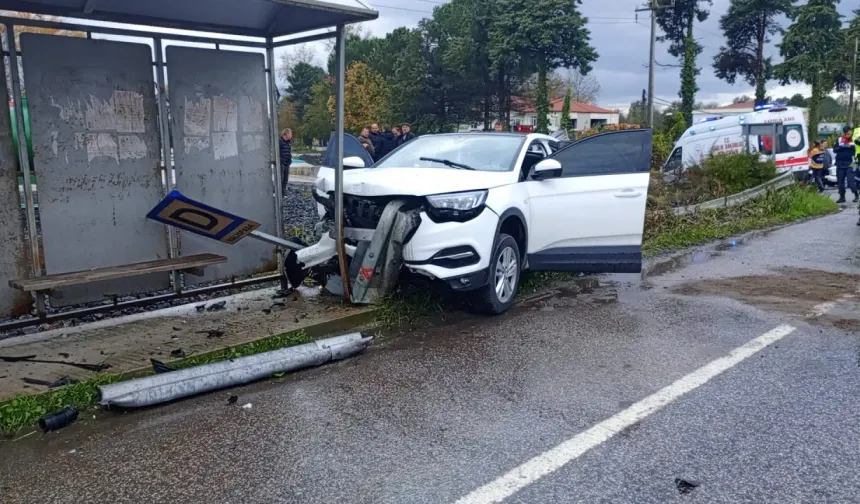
{"x":413,"y":181}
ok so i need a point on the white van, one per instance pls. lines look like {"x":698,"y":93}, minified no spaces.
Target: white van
{"x":716,"y":135}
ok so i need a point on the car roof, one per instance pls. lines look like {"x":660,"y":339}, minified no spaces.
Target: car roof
{"x":531,"y":136}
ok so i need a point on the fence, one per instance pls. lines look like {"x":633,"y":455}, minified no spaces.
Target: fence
{"x":784,"y":180}
{"x":99,"y":138}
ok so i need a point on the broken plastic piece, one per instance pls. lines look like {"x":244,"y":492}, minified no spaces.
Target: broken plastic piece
{"x":247,"y":406}
{"x":217,"y":306}
{"x":54,"y":384}
{"x":58,"y":420}
{"x":159,"y":367}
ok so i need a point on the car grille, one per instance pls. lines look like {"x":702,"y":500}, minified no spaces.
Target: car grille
{"x":363,"y":212}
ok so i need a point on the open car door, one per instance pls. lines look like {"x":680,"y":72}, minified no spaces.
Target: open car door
{"x":589,"y":215}
{"x":351,"y":148}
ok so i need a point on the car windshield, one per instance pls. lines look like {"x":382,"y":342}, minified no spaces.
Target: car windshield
{"x":483,"y":152}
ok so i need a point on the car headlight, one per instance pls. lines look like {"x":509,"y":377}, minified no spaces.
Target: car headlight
{"x":458,"y":201}
{"x":456,"y":207}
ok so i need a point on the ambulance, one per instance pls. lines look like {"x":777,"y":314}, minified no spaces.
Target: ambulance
{"x":722,"y":134}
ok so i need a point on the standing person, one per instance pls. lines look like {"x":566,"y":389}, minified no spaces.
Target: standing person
{"x":364,"y":140}
{"x":286,"y":149}
{"x":396,"y":131}
{"x":389,"y":142}
{"x":499,"y":127}
{"x":376,"y":140}
{"x":845,"y":151}
{"x":407,"y":135}
{"x":816,"y":164}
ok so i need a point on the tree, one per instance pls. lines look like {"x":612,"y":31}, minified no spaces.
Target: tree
{"x":677,"y":25}
{"x":319,"y":121}
{"x":366,"y":97}
{"x":810,"y":42}
{"x":743,"y":99}
{"x":549,"y":33}
{"x":301,"y":80}
{"x":565,"y":111}
{"x":287,"y":119}
{"x":748,"y":26}
{"x":584,"y":88}
{"x":301,"y":53}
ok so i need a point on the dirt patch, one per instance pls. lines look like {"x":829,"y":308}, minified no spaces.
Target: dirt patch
{"x":789,"y":290}
{"x":848,"y":325}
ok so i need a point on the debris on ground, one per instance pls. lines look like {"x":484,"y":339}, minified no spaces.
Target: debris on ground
{"x":200,"y":308}
{"x":58,"y":420}
{"x":789,"y":290}
{"x":247,"y":406}
{"x":178,"y":353}
{"x":232,"y":399}
{"x":212,"y":333}
{"x":217,"y":306}
{"x":65,"y":380}
{"x":159,"y":367}
{"x":685,"y":486}
{"x":32,"y":358}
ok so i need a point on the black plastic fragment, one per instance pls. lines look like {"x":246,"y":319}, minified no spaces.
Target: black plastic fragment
{"x":58,"y":420}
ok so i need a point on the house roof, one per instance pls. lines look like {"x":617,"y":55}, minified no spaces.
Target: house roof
{"x":556,"y":105}
{"x":744,"y":105}
{"x":256,"y":18}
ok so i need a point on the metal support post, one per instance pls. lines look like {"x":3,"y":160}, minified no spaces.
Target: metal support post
{"x":276,"y":152}
{"x":24,"y":160}
{"x":338,"y":173}
{"x":164,"y":127}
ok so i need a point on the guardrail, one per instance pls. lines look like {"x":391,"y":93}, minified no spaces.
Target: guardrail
{"x":784,"y":180}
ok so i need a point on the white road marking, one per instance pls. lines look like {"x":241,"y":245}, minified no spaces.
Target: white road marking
{"x":819,"y":310}
{"x":552,"y":460}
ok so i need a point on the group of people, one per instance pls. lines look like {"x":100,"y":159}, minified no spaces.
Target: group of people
{"x":379,"y":143}
{"x":845,"y":155}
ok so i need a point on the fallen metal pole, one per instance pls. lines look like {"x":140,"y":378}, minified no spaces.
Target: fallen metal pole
{"x":185,"y":382}
{"x":274,"y":240}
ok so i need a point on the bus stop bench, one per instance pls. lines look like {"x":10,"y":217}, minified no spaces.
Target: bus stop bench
{"x":192,"y":265}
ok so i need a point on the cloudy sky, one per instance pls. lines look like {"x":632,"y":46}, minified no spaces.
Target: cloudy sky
{"x":622,"y":43}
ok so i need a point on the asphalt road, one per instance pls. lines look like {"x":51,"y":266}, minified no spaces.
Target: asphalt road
{"x":732,"y":379}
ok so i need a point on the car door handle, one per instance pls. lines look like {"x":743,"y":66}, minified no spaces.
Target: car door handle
{"x":628,"y":193}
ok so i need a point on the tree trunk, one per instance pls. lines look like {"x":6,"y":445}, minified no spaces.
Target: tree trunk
{"x":501,"y":93}
{"x":688,"y":75}
{"x":760,"y":77}
{"x":814,"y":102}
{"x":542,"y":99}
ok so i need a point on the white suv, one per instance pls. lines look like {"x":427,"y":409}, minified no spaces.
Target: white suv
{"x":495,"y":204}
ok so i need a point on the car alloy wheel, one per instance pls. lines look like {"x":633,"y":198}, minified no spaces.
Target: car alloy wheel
{"x":506,"y":275}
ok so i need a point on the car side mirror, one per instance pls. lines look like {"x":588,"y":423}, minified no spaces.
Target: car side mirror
{"x":353,"y":162}
{"x":546,"y":169}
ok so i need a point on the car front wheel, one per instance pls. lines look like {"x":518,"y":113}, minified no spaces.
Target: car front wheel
{"x":503,"y":279}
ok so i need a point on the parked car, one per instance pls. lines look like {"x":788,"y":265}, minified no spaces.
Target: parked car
{"x":495,"y":204}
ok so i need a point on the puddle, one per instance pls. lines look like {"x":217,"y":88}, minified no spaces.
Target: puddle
{"x":790,"y":290}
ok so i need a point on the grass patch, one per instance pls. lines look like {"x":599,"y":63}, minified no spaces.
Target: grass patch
{"x":665,"y":231}
{"x":24,"y":411}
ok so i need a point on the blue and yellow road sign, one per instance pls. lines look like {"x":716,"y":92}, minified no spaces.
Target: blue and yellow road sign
{"x":184,"y":213}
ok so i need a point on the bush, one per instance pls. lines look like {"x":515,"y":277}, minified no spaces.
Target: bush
{"x":725,"y":174}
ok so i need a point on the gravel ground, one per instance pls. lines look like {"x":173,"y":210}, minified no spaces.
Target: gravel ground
{"x":300,"y":216}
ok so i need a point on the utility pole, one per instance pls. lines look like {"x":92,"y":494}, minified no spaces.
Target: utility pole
{"x":853,"y":84}
{"x":653,"y":7}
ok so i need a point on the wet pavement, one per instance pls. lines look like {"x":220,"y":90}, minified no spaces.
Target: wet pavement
{"x":434,"y":413}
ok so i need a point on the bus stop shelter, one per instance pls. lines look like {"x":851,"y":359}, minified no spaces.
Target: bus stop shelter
{"x":117,"y":123}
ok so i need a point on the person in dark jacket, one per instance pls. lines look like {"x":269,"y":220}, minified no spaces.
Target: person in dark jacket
{"x":364,"y":140}
{"x":816,"y":164}
{"x":407,"y":134}
{"x":286,"y":148}
{"x":389,"y":143}
{"x":397,"y":135}
{"x":845,"y":152}
{"x":376,"y":140}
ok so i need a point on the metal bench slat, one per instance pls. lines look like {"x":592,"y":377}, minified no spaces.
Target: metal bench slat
{"x":55,"y":281}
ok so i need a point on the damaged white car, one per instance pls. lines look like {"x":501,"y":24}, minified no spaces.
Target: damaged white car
{"x":475,"y":210}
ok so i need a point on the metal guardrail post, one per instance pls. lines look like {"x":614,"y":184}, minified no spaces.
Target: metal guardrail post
{"x":338,"y":172}
{"x":164,"y":127}
{"x":276,"y":152}
{"x":24,"y":160}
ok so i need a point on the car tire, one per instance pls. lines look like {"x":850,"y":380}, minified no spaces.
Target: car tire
{"x":503,"y":278}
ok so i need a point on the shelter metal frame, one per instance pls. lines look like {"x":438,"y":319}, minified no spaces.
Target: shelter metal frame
{"x":158,"y":39}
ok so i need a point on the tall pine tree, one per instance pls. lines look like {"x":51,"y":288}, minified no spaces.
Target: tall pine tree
{"x":808,"y":47}
{"x":677,"y":25}
{"x":748,"y":26}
